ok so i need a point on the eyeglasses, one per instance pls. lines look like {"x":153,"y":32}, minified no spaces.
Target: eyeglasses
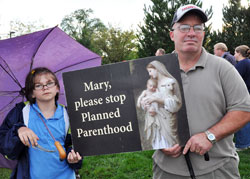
{"x":48,"y":85}
{"x":185,"y":28}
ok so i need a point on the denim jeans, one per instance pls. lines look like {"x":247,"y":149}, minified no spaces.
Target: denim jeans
{"x":242,"y":137}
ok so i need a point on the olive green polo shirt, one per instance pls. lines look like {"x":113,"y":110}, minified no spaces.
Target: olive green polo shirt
{"x":212,"y":88}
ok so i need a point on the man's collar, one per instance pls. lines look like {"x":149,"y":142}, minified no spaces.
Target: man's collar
{"x":201,"y":63}
{"x":203,"y":59}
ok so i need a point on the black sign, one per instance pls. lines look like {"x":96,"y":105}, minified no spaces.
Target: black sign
{"x":110,"y":109}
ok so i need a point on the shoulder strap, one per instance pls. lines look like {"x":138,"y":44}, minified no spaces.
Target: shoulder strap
{"x":26,"y":112}
{"x":66,"y":120}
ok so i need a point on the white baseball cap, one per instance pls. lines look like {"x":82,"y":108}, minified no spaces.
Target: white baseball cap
{"x":181,"y":11}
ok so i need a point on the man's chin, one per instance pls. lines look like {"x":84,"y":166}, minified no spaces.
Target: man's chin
{"x":191,"y":49}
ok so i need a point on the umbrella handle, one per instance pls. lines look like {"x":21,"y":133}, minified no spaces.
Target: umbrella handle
{"x":189,"y":164}
{"x":206,"y":156}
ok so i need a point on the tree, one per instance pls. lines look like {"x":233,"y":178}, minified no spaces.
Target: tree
{"x":158,"y":17}
{"x":20,"y":28}
{"x":236,"y":23}
{"x":81,"y":27}
{"x":116,"y":45}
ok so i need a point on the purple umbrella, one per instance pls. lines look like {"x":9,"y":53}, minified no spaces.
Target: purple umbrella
{"x":50,"y":48}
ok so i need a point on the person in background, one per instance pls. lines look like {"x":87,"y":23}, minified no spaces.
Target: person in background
{"x":29,"y":131}
{"x":242,"y":54}
{"x":216,"y":102}
{"x":221,"y":50}
{"x":160,"y":52}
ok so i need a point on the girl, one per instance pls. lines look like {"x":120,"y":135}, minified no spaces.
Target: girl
{"x":29,"y":131}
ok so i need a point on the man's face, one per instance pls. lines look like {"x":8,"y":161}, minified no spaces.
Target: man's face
{"x":187,"y":41}
{"x":158,"y":53}
{"x":218,"y":52}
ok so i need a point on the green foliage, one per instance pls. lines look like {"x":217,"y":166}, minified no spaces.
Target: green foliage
{"x":21,"y":28}
{"x":235,"y":30}
{"x":158,"y":17}
{"x":81,"y":27}
{"x":113,"y":44}
{"x":116,"y":45}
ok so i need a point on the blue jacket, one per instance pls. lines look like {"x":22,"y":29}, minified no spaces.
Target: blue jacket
{"x":243,"y":68}
{"x":229,"y":58}
{"x":12,"y":147}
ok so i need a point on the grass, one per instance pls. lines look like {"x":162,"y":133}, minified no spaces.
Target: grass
{"x":244,"y":164}
{"x":132,"y":165}
{"x":122,"y":166}
{"x":5,"y":173}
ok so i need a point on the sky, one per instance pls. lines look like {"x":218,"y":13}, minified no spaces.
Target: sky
{"x":126,"y":14}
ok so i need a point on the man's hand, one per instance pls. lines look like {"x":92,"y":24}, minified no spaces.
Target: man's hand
{"x":198,"y":143}
{"x":27,"y":136}
{"x":174,"y":151}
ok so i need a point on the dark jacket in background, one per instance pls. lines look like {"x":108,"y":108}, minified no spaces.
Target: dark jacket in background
{"x":229,"y":58}
{"x":243,"y":68}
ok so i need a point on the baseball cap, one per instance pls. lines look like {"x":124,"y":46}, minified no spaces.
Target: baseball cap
{"x":181,"y":11}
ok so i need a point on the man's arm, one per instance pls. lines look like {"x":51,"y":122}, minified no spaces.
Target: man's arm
{"x":229,"y":124}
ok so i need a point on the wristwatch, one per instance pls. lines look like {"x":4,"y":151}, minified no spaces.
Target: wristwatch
{"x":210,"y":136}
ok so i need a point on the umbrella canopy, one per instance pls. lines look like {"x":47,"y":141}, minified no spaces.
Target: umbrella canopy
{"x":51,"y":48}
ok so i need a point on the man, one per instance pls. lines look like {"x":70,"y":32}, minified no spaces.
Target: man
{"x":160,"y":52}
{"x":221,"y":50}
{"x":216,"y":103}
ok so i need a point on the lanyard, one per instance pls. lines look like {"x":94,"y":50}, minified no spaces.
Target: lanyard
{"x":62,"y":153}
{"x":39,"y":147}
{"x":45,"y":124}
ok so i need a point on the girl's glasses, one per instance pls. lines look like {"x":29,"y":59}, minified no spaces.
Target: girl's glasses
{"x":48,"y":85}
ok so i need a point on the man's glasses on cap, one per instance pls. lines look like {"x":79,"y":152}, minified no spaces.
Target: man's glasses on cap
{"x":185,"y":28}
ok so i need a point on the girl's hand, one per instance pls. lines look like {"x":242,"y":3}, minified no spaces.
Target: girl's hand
{"x":74,"y":157}
{"x":27,"y":136}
